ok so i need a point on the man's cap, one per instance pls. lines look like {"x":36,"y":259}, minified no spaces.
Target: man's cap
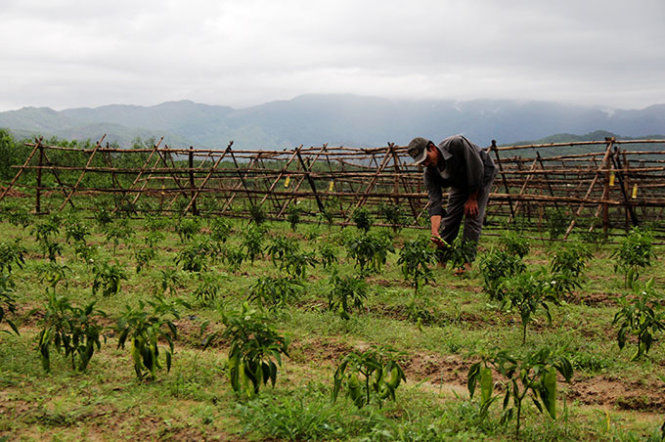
{"x":418,"y":150}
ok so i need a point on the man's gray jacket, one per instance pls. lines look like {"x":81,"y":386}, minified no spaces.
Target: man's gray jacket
{"x":465,"y":167}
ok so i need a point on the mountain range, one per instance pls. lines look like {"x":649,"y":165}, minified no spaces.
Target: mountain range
{"x":348,"y":120}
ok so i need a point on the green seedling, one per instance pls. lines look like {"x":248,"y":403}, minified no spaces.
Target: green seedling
{"x":533,"y":375}
{"x":256,"y":350}
{"x":145,"y":329}
{"x":374,"y":371}
{"x":73,"y":331}
{"x":641,"y":317}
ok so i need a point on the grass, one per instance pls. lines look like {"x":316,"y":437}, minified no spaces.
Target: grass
{"x":194,"y":400}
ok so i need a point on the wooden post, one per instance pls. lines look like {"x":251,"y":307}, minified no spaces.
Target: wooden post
{"x":22,"y":168}
{"x":192,"y":203}
{"x":38,"y":199}
{"x":92,"y":155}
{"x":503,"y":176}
{"x":311,"y":183}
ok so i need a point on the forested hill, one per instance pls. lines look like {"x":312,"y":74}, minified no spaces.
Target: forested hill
{"x":338,"y":120}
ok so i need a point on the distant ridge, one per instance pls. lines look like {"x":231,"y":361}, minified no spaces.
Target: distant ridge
{"x":349,"y":120}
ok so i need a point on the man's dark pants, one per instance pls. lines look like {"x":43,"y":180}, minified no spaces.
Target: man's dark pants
{"x":473,"y":225}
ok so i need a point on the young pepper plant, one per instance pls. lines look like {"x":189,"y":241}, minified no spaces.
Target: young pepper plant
{"x":376,"y":370}
{"x":415,"y":259}
{"x":533,"y":375}
{"x":527,"y":293}
{"x":256,"y":350}
{"x":7,"y":301}
{"x":144,"y":329}
{"x":71,"y":330}
{"x":641,"y":318}
{"x":347,"y":293}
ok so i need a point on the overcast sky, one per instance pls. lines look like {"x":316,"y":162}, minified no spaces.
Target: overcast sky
{"x":70,"y":53}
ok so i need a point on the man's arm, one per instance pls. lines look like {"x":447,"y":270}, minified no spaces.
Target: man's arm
{"x":471,"y":204}
{"x":435,"y":221}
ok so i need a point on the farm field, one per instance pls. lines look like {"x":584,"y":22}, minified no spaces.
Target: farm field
{"x":201,"y":276}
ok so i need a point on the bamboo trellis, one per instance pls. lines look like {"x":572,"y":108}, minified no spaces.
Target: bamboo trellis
{"x":610,"y":184}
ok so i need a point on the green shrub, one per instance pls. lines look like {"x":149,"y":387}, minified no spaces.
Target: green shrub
{"x":415,"y":259}
{"x":494,"y":267}
{"x":145,"y":329}
{"x":634,"y":253}
{"x":274,"y":293}
{"x":376,"y":370}
{"x":71,"y":330}
{"x":533,"y":375}
{"x":256,"y":350}
{"x":107,"y":277}
{"x":515,"y":243}
{"x":527,"y":293}
{"x":370,"y":251}
{"x":642,"y":318}
{"x":348,"y":293}
{"x":362,"y":219}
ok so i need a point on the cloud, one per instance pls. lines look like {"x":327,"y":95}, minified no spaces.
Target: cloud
{"x":87,"y":53}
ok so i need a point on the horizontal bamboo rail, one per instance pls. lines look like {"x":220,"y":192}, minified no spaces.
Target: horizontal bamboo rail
{"x":598,"y":178}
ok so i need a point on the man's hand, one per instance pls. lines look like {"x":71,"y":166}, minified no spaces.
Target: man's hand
{"x":438,"y":241}
{"x":471,"y":206}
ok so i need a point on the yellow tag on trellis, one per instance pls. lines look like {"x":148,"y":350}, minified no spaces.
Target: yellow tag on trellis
{"x":286,"y":183}
{"x":634,"y":194}
{"x":331,"y":186}
{"x":611,"y":179}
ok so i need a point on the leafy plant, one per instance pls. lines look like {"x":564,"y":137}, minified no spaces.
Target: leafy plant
{"x":556,"y":221}
{"x":328,"y":255}
{"x":170,"y":281}
{"x":143,"y":257}
{"x":494,"y":267}
{"x":209,"y":287}
{"x":257,"y":214}
{"x":18,"y":216}
{"x":634,"y":253}
{"x":362,"y":219}
{"x":533,"y":375}
{"x":375,"y":370}
{"x":296,"y":263}
{"x":567,"y":268}
{"x":118,"y":232}
{"x":186,"y":228}
{"x":234,"y":258}
{"x":103,"y":217}
{"x":293,"y":216}
{"x":527,"y":293}
{"x":220,"y":229}
{"x":256,"y":350}
{"x":71,"y":330}
{"x":144,"y":329}
{"x":515,"y":243}
{"x":45,"y":233}
{"x":11,"y":255}
{"x":152,"y":238}
{"x":76,"y":231}
{"x":415,"y":259}
{"x":274,"y":293}
{"x":7,"y":302}
{"x":394,"y":215}
{"x":641,"y":318}
{"x":52,"y":273}
{"x":370,"y":251}
{"x":194,"y":257}
{"x":279,"y":247}
{"x":348,"y":293}
{"x":253,"y":242}
{"x":107,"y":277}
